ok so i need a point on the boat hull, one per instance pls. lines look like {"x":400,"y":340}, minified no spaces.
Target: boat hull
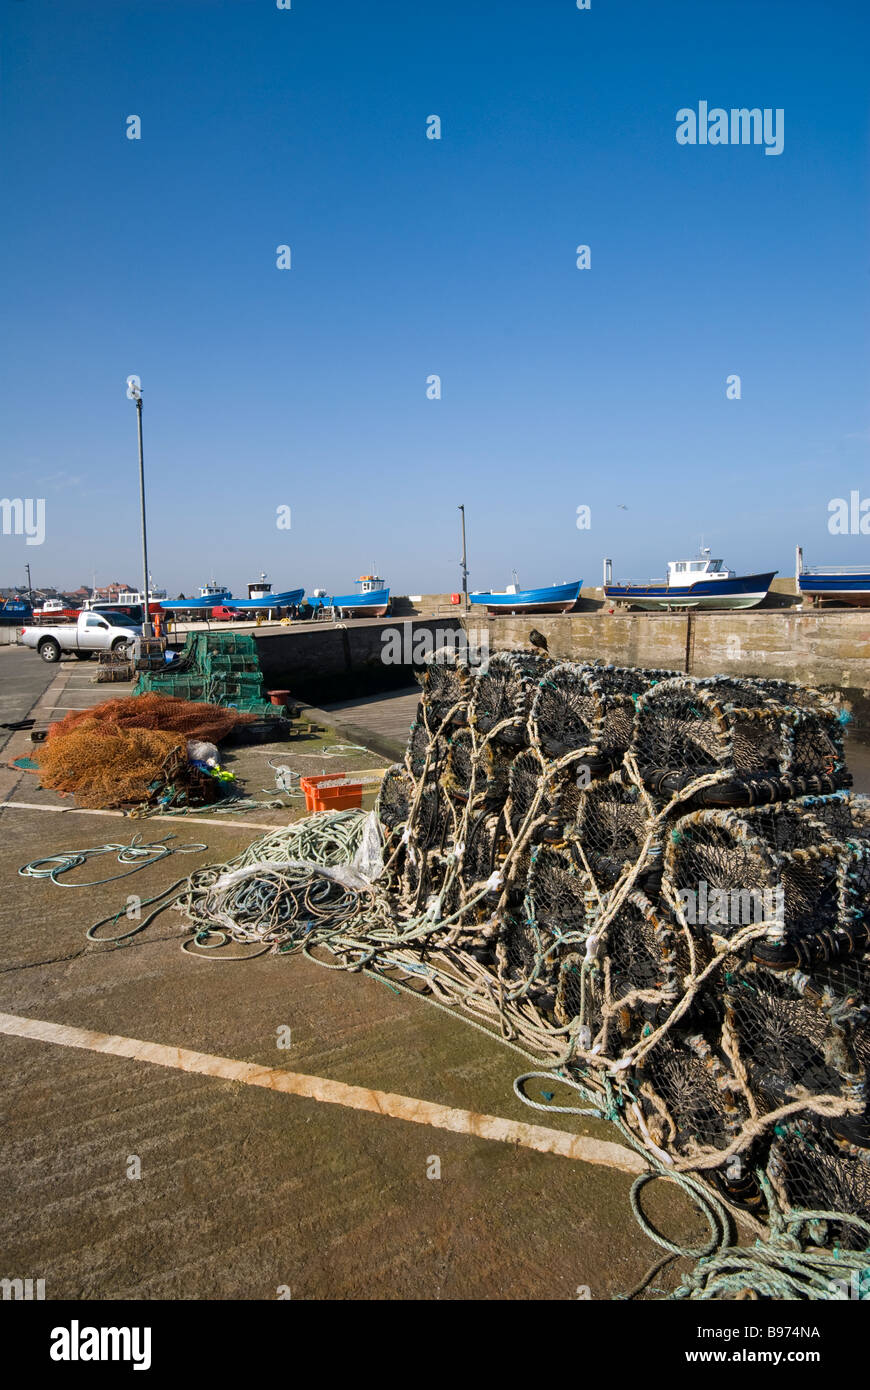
{"x":853,"y":589}
{"x":373,"y":604}
{"x":198,"y":605}
{"x":15,"y":612}
{"x":744,"y":591}
{"x":559,"y":598}
{"x":289,"y":599}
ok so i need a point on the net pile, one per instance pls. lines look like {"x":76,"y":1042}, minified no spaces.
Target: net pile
{"x":210,"y":723}
{"x":221,"y":668}
{"x":103,"y":765}
{"x":658,"y":885}
{"x":134,"y":751}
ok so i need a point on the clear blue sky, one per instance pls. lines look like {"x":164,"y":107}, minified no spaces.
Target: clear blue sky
{"x":307,"y":387}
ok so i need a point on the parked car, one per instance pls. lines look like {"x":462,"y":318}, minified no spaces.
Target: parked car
{"x":224,"y":614}
{"x":92,"y":632}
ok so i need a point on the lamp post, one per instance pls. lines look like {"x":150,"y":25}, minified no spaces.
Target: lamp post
{"x":134,"y":393}
{"x":464,"y":565}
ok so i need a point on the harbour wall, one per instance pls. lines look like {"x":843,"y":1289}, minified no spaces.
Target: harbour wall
{"x":325,"y":662}
{"x":829,"y":648}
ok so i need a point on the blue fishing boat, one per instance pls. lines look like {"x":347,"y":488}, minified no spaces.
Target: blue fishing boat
{"x":698,"y":583}
{"x":372,"y":601}
{"x":15,"y":610}
{"x":261,"y":599}
{"x":210,"y":595}
{"x":559,"y":598}
{"x":837,"y":583}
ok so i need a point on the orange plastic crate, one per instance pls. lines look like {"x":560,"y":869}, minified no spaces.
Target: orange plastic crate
{"x":337,"y":791}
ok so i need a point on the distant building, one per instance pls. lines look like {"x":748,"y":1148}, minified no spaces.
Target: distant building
{"x":109,"y":593}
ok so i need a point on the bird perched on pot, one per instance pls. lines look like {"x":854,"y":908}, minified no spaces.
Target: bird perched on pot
{"x":538,"y":639}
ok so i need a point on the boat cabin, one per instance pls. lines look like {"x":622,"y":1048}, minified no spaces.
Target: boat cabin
{"x":261,"y":589}
{"x":683,"y":572}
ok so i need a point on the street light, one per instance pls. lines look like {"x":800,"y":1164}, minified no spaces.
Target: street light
{"x":134,"y":393}
{"x":464,"y":565}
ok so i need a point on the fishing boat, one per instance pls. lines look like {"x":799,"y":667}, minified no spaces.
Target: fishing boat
{"x":261,"y":599}
{"x":128,"y":601}
{"x":210,"y":595}
{"x":15,"y":610}
{"x":372,"y":601}
{"x":54,"y":610}
{"x":837,"y":583}
{"x":559,"y":598}
{"x":698,"y":583}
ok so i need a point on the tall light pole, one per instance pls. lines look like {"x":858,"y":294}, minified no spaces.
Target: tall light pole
{"x":29,"y":585}
{"x":134,"y":393}
{"x":464,"y":565}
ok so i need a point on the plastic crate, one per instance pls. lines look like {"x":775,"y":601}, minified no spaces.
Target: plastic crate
{"x":337,"y":791}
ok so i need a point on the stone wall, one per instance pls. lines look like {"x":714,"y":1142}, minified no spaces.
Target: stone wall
{"x":828,"y":648}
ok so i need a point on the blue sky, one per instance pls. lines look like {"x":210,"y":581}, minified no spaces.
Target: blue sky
{"x":307,"y":387}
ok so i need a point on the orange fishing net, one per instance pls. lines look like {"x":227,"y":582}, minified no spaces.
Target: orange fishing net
{"x":104,"y":765}
{"x":209,"y":722}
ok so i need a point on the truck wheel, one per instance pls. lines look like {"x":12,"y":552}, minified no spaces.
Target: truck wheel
{"x":120,"y":644}
{"x":49,"y":649}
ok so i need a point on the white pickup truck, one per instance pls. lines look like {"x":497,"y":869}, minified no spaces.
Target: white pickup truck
{"x":91,"y":632}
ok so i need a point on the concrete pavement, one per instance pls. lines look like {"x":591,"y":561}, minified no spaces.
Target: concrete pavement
{"x":242,"y":1190}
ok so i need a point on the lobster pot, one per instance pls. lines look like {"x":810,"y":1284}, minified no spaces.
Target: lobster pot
{"x":426,"y":875}
{"x":724,"y":870}
{"x":615,"y":691}
{"x":392,"y":807}
{"x":527,"y":961}
{"x":789,"y":1036}
{"x":811,"y":1170}
{"x":638,"y":951}
{"x":611,"y":828}
{"x":527,"y":778}
{"x":433,"y":823}
{"x":446,"y":684}
{"x":690,"y":1098}
{"x":394,"y":799}
{"x":480,"y":854}
{"x":423,"y":745}
{"x":461,"y":777}
{"x":845,"y":815}
{"x":503,"y":695}
{"x":559,"y":895}
{"x":567,"y":714}
{"x":758,"y":750}
{"x":556,"y":806}
{"x":481,"y":777}
{"x":686,"y":729}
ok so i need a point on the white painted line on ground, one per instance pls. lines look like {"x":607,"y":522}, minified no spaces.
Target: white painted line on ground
{"x":421,"y":1112}
{"x":225,"y":824}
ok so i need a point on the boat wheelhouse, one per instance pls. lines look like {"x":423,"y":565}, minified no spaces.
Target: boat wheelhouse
{"x":211,"y":595}
{"x":699,"y":583}
{"x":261,"y":599}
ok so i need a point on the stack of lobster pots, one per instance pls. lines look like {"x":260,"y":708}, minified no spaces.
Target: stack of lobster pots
{"x":670,"y":873}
